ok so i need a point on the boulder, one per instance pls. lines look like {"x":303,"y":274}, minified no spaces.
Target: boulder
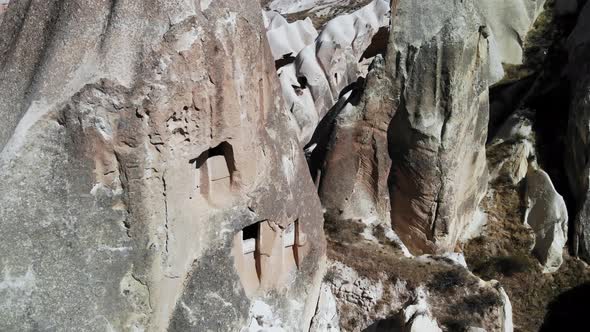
{"x":151,"y":178}
{"x":547,"y":215}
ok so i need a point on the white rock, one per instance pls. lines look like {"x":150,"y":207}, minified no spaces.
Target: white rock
{"x":547,"y":215}
{"x":418,"y":317}
{"x":507,"y":325}
{"x":510,"y":21}
{"x":326,"y":318}
{"x":476,"y":227}
{"x":261,"y":319}
{"x":288,"y":38}
{"x":326,"y":65}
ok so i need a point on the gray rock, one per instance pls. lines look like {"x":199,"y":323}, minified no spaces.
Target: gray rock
{"x":439,"y":63}
{"x":547,"y":215}
{"x":138,"y":141}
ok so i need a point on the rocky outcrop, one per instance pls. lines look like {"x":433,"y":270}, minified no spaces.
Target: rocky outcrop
{"x":316,"y":79}
{"x":352,"y":162}
{"x":439,"y":60}
{"x":512,"y":150}
{"x":403,"y":147}
{"x":509,"y":22}
{"x":399,"y":299}
{"x":577,"y":153}
{"x":326,"y":318}
{"x":287,"y":39}
{"x":547,"y":215}
{"x":151,"y":178}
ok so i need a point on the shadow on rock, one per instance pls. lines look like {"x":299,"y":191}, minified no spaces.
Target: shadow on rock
{"x":568,"y":311}
{"x":391,"y":324}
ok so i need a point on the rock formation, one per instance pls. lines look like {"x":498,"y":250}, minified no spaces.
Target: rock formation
{"x":512,"y":149}
{"x":293,"y":165}
{"x":547,"y":215}
{"x":440,"y":68}
{"x":144,"y":146}
{"x":314,"y":81}
{"x":577,"y":168}
{"x":509,"y":22}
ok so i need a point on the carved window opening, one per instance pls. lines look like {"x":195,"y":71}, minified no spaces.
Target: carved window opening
{"x":247,"y":257}
{"x":290,"y":249}
{"x":267,"y":255}
{"x":215,"y":172}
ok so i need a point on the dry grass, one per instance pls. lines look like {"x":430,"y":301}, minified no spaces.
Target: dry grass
{"x":503,"y":254}
{"x":455,"y":295}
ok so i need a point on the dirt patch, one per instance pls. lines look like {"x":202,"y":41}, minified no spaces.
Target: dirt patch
{"x":456,"y":297}
{"x":503,"y":254}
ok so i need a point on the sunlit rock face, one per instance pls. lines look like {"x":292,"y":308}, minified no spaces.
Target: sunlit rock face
{"x":316,"y":76}
{"x":405,"y":143}
{"x":151,"y":178}
{"x":438,"y":58}
{"x":509,"y":22}
{"x":547,"y":215}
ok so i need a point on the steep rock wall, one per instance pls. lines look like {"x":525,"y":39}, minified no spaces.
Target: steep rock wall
{"x":142,"y":142}
{"x":439,"y":61}
{"x":578,"y":132}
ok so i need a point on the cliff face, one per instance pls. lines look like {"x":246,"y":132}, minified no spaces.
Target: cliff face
{"x":577,"y":135}
{"x":168,"y":166}
{"x":143,"y":152}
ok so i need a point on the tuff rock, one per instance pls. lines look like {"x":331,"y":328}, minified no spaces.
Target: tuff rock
{"x":168,"y":166}
{"x":437,"y":134}
{"x":547,"y":215}
{"x":141,"y":144}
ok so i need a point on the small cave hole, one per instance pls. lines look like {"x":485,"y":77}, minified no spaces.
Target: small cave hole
{"x":216,"y":169}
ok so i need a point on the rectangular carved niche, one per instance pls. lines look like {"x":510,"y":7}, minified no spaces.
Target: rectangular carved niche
{"x":293,"y":241}
{"x":246,"y":252}
{"x":215,"y":174}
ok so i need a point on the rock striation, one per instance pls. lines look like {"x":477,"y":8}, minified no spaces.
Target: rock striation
{"x":439,"y":60}
{"x":143,"y":149}
{"x":316,"y":79}
{"x":509,"y":21}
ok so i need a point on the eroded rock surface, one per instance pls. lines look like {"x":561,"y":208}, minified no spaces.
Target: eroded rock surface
{"x":512,"y":149}
{"x":152,"y":181}
{"x":316,"y":79}
{"x":388,"y":292}
{"x":509,"y":21}
{"x":576,"y":165}
{"x":439,"y":61}
{"x":547,"y":215}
